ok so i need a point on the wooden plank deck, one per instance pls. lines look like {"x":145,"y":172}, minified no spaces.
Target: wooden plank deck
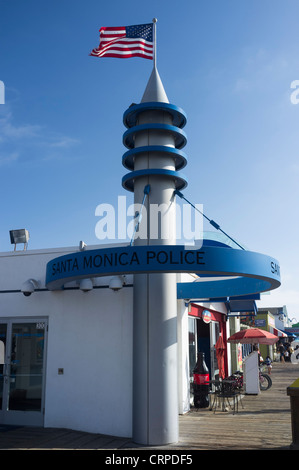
{"x":264,"y":423}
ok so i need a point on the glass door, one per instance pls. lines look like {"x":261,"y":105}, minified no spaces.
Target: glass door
{"x":22,"y":371}
{"x":192,"y":345}
{"x":214,"y":335}
{"x":3,"y":334}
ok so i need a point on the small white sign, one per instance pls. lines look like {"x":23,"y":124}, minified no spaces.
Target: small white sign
{"x":2,"y":352}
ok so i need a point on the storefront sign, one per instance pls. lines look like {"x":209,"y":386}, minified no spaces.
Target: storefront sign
{"x":252,"y":272}
{"x":271,"y":320}
{"x":259,"y":322}
{"x":292,"y":330}
{"x":206,"y":316}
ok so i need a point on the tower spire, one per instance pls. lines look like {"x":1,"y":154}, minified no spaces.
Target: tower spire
{"x":154,"y":90}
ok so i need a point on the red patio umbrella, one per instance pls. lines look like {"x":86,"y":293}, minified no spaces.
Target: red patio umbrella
{"x":253,"y":336}
{"x":220,"y":350}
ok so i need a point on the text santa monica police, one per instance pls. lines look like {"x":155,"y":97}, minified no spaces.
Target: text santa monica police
{"x":126,"y":258}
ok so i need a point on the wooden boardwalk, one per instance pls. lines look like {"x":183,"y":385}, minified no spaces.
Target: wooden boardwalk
{"x":263,"y":423}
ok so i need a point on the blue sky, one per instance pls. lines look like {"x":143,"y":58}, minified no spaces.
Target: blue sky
{"x":228,"y":64}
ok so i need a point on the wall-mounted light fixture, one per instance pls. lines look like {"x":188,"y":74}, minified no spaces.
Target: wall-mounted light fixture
{"x":82,"y":246}
{"x":19,"y":236}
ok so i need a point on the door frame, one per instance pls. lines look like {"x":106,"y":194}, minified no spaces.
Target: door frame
{"x":195,"y":310}
{"x":17,"y":417}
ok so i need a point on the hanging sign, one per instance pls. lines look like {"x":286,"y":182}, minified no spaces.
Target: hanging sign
{"x":242,"y":272}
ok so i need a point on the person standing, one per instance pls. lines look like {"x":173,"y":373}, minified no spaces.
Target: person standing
{"x":281,"y":350}
{"x":268,"y":363}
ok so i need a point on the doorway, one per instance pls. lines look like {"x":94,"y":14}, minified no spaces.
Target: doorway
{"x":203,"y":337}
{"x":22,"y":370}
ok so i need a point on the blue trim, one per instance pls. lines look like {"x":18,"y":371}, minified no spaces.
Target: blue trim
{"x":230,"y":287}
{"x":210,"y":242}
{"x":179,"y":135}
{"x":247,"y":297}
{"x":227,"y":299}
{"x":128,"y":180}
{"x":241,"y":306}
{"x":131,"y":114}
{"x":254,"y":272}
{"x":179,"y":156}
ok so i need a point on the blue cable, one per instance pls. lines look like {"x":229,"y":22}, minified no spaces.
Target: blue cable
{"x":146,"y":191}
{"x":212,"y":222}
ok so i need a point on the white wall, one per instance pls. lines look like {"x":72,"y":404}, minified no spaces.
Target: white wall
{"x":90,"y":337}
{"x":183,"y":358}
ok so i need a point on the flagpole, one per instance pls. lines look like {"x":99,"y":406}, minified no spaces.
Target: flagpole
{"x":154,"y":39}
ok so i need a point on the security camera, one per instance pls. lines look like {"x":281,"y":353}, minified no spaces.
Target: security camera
{"x":29,"y":286}
{"x":86,"y":285}
{"x":116,"y":283}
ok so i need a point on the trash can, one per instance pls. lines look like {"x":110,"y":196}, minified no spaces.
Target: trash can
{"x":293,"y":393}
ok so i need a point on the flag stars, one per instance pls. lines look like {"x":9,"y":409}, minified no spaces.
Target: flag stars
{"x":140,"y":31}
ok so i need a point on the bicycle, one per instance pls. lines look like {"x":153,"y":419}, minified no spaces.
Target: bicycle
{"x":265,"y":380}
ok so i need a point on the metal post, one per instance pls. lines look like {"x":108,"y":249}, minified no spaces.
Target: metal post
{"x":155,"y":400}
{"x":155,"y":41}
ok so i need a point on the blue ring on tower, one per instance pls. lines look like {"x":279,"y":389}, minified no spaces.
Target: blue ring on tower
{"x":180,"y":180}
{"x":180,"y":138}
{"x":131,"y":115}
{"x":180,"y":158}
{"x":179,"y":120}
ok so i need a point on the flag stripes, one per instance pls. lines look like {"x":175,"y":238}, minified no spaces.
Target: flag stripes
{"x":125,"y":42}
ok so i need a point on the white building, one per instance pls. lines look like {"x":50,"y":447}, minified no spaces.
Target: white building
{"x":68,"y":353}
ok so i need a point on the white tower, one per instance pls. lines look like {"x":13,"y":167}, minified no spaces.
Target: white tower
{"x":155,"y":139}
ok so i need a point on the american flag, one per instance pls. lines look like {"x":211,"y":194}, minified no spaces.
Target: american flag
{"x":126,"y":41}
